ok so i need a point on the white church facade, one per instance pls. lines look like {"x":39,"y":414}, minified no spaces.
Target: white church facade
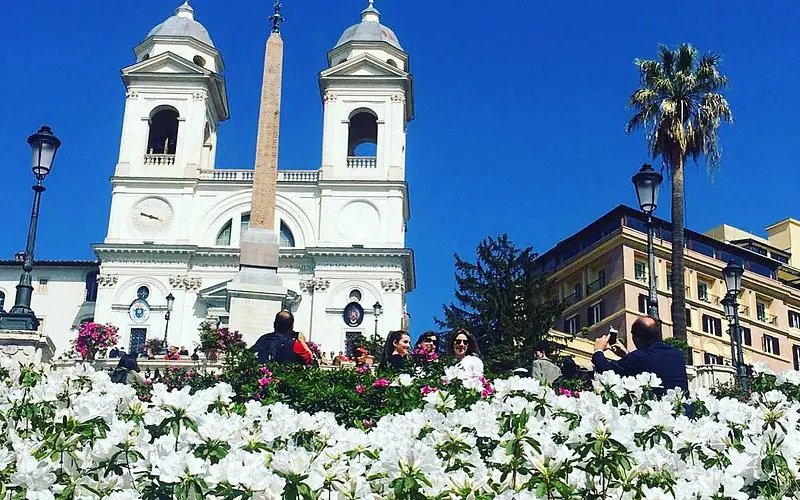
{"x":176,"y":217}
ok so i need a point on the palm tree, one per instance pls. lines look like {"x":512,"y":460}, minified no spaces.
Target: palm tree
{"x":680,"y":105}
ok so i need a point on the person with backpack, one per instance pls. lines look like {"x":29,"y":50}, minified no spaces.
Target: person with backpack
{"x":284,"y":345}
{"x":127,"y":371}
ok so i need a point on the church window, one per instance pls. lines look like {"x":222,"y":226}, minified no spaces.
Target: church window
{"x":355,"y":295}
{"x":363,"y":134}
{"x":224,"y":236}
{"x":200,"y":61}
{"x":287,"y":238}
{"x":2,"y":301}
{"x":392,"y":62}
{"x":91,"y":287}
{"x":143,"y":292}
{"x":245,"y":223}
{"x":163,"y":137}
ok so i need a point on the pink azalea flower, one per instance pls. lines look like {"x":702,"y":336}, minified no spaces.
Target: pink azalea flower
{"x":380,"y":383}
{"x":360,"y":389}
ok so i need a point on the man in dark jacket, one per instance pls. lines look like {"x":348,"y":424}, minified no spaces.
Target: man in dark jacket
{"x":651,"y":355}
{"x":283,"y":345}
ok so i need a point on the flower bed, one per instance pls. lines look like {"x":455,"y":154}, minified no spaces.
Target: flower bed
{"x":71,"y":433}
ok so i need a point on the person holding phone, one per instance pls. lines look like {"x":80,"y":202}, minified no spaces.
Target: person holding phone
{"x":651,"y":355}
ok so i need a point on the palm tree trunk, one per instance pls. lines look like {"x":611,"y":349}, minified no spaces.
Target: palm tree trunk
{"x":678,"y":244}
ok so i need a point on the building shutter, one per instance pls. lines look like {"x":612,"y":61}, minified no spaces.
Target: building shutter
{"x":589,"y":319}
{"x":777,"y":345}
{"x":748,"y":338}
{"x":796,"y":356}
{"x":602,"y":310}
{"x":718,"y":327}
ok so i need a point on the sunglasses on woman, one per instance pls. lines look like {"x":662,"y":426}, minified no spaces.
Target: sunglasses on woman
{"x":461,"y":341}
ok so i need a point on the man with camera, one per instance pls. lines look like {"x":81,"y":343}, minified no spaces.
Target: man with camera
{"x":651,"y":355}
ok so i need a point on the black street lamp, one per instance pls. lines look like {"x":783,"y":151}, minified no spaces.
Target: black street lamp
{"x":733,"y":280}
{"x":729,"y":305}
{"x":44,"y":146}
{"x":170,"y":302}
{"x":377,"y":310}
{"x":647,"y":182}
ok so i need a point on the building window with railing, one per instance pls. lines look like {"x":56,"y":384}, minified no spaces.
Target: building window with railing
{"x":702,"y":291}
{"x":640,"y":270}
{"x":91,"y":287}
{"x":712,"y":325}
{"x":595,"y":313}
{"x":761,"y":311}
{"x":712,"y":359}
{"x":669,"y":280}
{"x":44,"y":285}
{"x":794,"y":319}
{"x":572,"y":325}
{"x":598,"y":283}
{"x":771,"y":345}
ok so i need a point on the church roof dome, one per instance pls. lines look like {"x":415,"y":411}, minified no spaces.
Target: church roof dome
{"x":183,"y":24}
{"x":369,"y":29}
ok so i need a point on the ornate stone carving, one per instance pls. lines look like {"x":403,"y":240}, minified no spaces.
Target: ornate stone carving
{"x":314,"y":285}
{"x":185,"y":282}
{"x":107,"y":280}
{"x":132,"y":94}
{"x":398,"y":97}
{"x":200,"y":95}
{"x":392,"y":285}
{"x":329,"y":96}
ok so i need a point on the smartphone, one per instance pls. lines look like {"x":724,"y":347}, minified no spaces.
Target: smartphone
{"x":612,"y":335}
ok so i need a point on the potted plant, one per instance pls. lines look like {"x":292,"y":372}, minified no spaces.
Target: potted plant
{"x":153,"y":346}
{"x":92,"y":337}
{"x":214,"y":340}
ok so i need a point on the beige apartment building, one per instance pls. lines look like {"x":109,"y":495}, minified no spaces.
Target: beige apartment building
{"x":602,"y":272}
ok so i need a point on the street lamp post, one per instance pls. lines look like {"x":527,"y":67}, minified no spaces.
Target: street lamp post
{"x":730,"y":306}
{"x":170,"y":302}
{"x":733,"y":280}
{"x":647,"y":182}
{"x":21,"y":317}
{"x":377,"y":310}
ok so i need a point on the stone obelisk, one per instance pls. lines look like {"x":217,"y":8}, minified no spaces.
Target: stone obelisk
{"x":256,"y":293}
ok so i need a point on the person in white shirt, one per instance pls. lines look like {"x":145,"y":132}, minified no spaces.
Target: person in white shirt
{"x":465,"y":349}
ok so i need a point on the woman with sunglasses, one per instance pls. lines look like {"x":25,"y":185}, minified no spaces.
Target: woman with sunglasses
{"x":428,"y":342}
{"x":395,"y":350}
{"x":465,"y":349}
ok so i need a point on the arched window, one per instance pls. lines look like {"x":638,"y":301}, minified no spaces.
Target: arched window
{"x":363,"y":134}
{"x":391,"y":62}
{"x":2,"y":301}
{"x":91,"y":287}
{"x":163,"y":137}
{"x":224,"y":236}
{"x":287,"y":238}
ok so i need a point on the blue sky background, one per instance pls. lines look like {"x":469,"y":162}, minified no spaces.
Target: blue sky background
{"x":520,"y":112}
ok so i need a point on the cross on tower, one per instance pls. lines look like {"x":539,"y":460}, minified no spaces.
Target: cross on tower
{"x":276,"y":17}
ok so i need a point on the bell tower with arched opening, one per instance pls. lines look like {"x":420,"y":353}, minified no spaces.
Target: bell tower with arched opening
{"x":175,"y":100}
{"x":368,"y":101}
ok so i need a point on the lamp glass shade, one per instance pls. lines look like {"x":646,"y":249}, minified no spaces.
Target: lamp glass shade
{"x":44,"y":146}
{"x":170,"y":302}
{"x":647,"y":182}
{"x":377,"y":308}
{"x":729,"y":304}
{"x":733,"y":277}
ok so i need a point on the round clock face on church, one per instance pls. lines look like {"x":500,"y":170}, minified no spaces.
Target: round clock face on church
{"x":151,"y":216}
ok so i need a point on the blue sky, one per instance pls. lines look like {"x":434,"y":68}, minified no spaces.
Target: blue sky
{"x":520,"y":112}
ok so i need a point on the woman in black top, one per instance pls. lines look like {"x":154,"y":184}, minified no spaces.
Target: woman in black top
{"x":397,"y":346}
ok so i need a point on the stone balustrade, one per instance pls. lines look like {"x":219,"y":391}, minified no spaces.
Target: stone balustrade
{"x":159,"y":159}
{"x":362,"y":162}
{"x":228,"y":175}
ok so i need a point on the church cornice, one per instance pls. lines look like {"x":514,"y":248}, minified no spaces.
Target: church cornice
{"x":306,"y":260}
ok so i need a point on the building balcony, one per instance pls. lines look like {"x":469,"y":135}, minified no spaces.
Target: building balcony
{"x":595,"y":286}
{"x":362,"y":162}
{"x":765,"y":317}
{"x":708,"y":298}
{"x":573,"y":298}
{"x":159,"y":159}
